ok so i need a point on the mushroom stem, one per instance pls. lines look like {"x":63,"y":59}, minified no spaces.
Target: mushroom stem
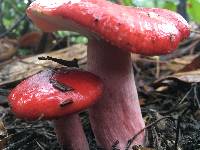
{"x":70,"y":133}
{"x":117,"y":116}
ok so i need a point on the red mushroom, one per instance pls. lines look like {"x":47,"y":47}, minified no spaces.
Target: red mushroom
{"x":114,"y":31}
{"x":58,"y":95}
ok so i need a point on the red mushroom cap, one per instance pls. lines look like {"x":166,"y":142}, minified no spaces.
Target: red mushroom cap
{"x":149,"y":31}
{"x":55,"y":93}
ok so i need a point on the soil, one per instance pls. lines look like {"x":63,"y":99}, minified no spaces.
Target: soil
{"x":172,"y":119}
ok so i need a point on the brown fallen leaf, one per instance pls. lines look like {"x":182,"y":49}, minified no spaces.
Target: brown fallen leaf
{"x":3,"y":135}
{"x":21,"y":68}
{"x":32,"y":40}
{"x":188,"y":74}
{"x":194,"y":65}
{"x":178,"y":64}
{"x":8,"y":48}
{"x":189,"y":77}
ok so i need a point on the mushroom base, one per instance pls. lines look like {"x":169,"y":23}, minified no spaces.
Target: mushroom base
{"x":117,"y":116}
{"x":70,"y":133}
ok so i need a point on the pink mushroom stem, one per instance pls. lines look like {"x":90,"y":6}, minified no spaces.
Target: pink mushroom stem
{"x":117,"y":116}
{"x":69,"y":131}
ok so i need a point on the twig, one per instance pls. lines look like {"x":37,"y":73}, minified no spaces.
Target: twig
{"x":114,"y":146}
{"x":39,"y":145}
{"x":196,"y":96}
{"x":195,"y":31}
{"x":175,"y":107}
{"x":43,"y":42}
{"x":73,"y":63}
{"x":185,"y":96}
{"x":157,"y":66}
{"x":156,"y":140}
{"x":19,"y":143}
{"x":148,"y":126}
{"x":177,"y":133}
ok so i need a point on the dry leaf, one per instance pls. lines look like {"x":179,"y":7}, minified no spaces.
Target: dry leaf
{"x":20,"y":69}
{"x":3,"y":135}
{"x":8,"y":48}
{"x":184,"y":77}
{"x":189,"y":77}
{"x":179,"y":63}
{"x":194,"y":65}
{"x":190,"y":73}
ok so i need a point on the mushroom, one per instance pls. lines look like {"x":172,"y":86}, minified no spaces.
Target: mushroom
{"x":114,"y":31}
{"x":58,"y":94}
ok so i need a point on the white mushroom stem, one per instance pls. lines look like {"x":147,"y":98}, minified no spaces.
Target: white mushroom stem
{"x":117,"y":116}
{"x":70,"y":133}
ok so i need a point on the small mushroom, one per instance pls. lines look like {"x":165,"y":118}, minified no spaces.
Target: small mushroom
{"x":58,"y":95}
{"x":114,"y":31}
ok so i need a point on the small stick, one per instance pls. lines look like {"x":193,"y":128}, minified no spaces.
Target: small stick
{"x":60,"y":86}
{"x":157,"y":66}
{"x":114,"y":146}
{"x":72,"y":63}
{"x":196,"y":96}
{"x":66,"y":102}
{"x":142,"y":130}
{"x":177,"y":133}
{"x":195,"y":31}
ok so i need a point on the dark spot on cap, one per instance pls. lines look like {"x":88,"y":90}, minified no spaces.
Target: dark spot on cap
{"x":128,"y":44}
{"x":60,"y":86}
{"x":66,"y":102}
{"x":96,"y":20}
{"x":119,"y":24}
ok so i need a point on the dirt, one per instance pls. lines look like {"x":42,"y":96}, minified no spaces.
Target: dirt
{"x":172,"y":120}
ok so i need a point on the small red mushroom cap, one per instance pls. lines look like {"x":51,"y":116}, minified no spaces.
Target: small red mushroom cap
{"x":148,"y":31}
{"x":54,"y":93}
